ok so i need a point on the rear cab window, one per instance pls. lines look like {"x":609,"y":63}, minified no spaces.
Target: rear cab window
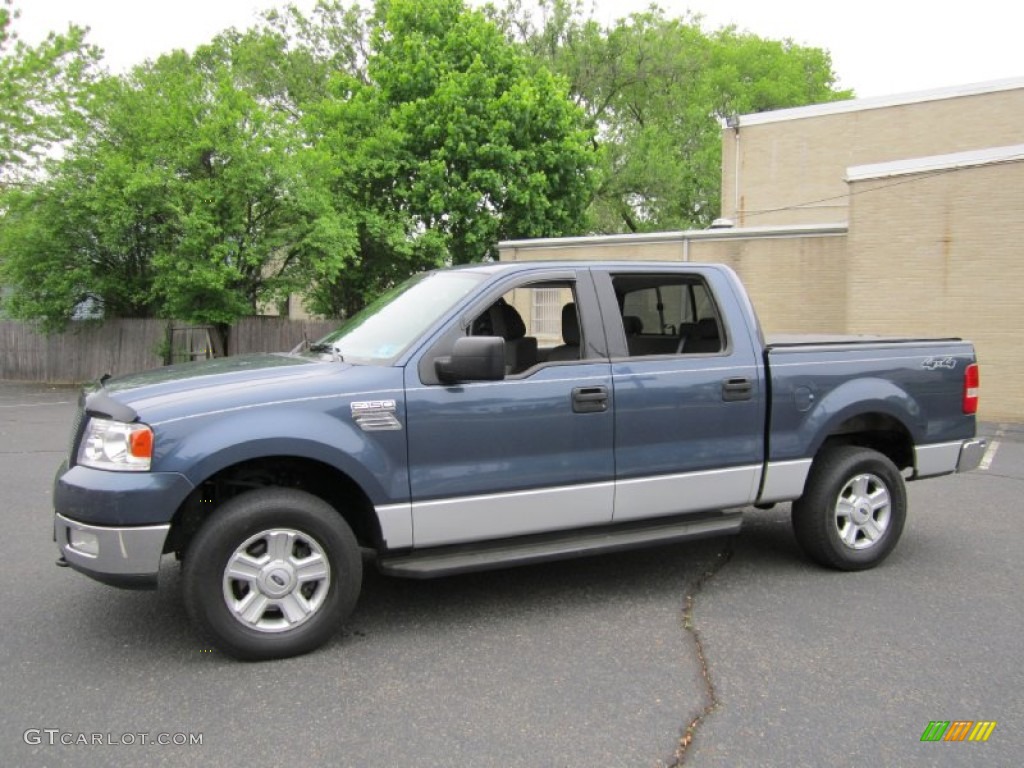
{"x":669,"y":314}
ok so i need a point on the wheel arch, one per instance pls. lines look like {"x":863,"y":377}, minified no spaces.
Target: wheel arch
{"x":314,"y":476}
{"x":869,"y":412}
{"x":877,"y":430}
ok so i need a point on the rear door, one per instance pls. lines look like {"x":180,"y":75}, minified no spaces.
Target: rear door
{"x":690,"y":405}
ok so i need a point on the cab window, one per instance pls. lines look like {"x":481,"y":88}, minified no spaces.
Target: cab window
{"x":539,"y":323}
{"x":668,"y":315}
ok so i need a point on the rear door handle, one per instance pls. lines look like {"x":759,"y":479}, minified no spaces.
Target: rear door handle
{"x":735,"y":390}
{"x":590,"y":399}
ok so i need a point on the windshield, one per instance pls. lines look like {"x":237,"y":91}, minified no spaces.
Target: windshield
{"x":383,"y":330}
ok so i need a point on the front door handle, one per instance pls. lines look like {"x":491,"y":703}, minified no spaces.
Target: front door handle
{"x":590,"y":399}
{"x":735,"y":390}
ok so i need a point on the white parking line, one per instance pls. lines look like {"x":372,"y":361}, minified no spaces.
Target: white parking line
{"x":990,"y":452}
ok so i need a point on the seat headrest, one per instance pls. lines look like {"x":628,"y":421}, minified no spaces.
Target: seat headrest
{"x":633,"y":325}
{"x":508,"y":322}
{"x":500,"y":319}
{"x":707,"y":328}
{"x":570,"y":324}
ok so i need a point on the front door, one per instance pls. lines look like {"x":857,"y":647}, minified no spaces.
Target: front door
{"x":531,"y":453}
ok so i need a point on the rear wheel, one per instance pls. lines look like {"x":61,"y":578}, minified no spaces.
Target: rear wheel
{"x":853,"y":508}
{"x":272,"y":574}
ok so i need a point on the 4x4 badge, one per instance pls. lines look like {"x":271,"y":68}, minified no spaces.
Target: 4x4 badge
{"x":932,"y":363}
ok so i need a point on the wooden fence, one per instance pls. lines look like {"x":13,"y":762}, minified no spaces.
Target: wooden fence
{"x":275,"y":334}
{"x":86,"y":350}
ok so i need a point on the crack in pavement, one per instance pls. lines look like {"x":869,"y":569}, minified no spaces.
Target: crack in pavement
{"x":690,"y":732}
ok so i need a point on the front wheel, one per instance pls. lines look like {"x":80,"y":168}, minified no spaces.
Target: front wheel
{"x":272,"y":574}
{"x":853,"y":509}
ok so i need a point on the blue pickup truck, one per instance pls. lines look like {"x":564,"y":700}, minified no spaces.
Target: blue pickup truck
{"x":496,"y":415}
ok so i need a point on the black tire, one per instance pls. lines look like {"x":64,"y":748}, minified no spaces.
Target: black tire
{"x":298,"y":574}
{"x":853,"y":509}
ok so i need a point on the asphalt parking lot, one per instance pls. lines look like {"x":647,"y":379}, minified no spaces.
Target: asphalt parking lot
{"x":727,"y":652}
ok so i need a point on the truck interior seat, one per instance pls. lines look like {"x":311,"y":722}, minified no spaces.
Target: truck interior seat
{"x":570,"y":349}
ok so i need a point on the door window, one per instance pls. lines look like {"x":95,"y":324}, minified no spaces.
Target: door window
{"x":539,"y":323}
{"x":668,"y":315}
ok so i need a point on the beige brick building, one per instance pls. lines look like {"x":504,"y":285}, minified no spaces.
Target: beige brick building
{"x":895,"y":215}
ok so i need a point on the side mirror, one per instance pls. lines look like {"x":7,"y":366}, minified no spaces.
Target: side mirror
{"x":473,"y":358}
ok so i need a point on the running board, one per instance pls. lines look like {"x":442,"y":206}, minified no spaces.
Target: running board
{"x":524,"y":550}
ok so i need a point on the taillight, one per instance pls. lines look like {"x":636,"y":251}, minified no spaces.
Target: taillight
{"x":972,"y":382}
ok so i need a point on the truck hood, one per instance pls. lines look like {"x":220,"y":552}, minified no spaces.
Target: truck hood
{"x":195,"y":388}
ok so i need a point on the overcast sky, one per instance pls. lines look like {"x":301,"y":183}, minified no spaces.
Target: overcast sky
{"x":878,"y":47}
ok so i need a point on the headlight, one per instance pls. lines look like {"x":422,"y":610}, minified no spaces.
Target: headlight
{"x":115,"y":445}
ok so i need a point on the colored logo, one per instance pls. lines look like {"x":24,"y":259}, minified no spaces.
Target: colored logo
{"x":958,"y":730}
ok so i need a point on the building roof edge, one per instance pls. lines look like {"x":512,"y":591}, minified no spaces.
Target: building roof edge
{"x":932,"y":163}
{"x":881,"y":102}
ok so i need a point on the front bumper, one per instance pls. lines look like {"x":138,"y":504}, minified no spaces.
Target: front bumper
{"x":126,"y":557}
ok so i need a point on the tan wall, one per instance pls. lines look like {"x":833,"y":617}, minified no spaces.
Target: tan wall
{"x":940,"y":254}
{"x":670,"y":250}
{"x":792,"y":171}
{"x":797,"y":283}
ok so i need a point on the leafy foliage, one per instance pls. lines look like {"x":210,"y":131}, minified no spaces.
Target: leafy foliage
{"x":655,"y":89}
{"x":43,"y":89}
{"x":452,"y":142}
{"x":335,"y":153}
{"x":187,"y":197}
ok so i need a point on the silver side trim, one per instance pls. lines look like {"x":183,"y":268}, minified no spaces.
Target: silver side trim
{"x":784,"y":480}
{"x":128,"y":551}
{"x":690,"y":492}
{"x":396,"y":525}
{"x":496,"y":516}
{"x":937,"y":459}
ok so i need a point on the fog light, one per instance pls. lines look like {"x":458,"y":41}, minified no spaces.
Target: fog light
{"x":84,"y":542}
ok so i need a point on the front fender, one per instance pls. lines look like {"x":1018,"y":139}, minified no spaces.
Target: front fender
{"x":203,"y":446}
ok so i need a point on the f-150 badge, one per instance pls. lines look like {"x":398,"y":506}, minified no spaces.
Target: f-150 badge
{"x":375,"y":415}
{"x":934,"y":363}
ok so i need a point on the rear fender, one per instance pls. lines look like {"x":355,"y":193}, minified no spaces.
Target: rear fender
{"x":853,"y":399}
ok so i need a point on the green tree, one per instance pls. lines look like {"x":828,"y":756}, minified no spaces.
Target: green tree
{"x":451,"y":142}
{"x":188,"y":197}
{"x":43,"y":90}
{"x":86,"y":235}
{"x":333,"y":154}
{"x":655,"y":89}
